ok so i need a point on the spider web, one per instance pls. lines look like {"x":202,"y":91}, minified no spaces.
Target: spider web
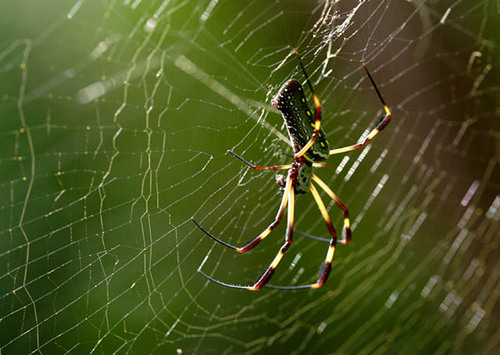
{"x":116,"y":121}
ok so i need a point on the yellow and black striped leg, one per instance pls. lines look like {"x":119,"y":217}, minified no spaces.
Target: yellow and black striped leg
{"x":324,"y":212}
{"x":347,"y":223}
{"x":327,"y":264}
{"x":317,"y":116}
{"x":288,"y":199}
{"x":380,"y":126}
{"x":258,"y":167}
{"x":266,"y":275}
{"x":262,"y":235}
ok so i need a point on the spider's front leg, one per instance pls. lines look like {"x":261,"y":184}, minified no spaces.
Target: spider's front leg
{"x":266,"y":275}
{"x":261,"y":236}
{"x":327,"y":264}
{"x":342,"y":206}
{"x":288,"y":199}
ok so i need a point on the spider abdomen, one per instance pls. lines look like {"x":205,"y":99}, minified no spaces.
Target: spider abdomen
{"x":299,"y":120}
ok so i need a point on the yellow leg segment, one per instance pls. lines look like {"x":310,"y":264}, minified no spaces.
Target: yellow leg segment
{"x":331,"y":194}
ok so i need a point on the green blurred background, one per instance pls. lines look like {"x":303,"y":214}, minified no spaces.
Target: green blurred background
{"x":116,"y":119}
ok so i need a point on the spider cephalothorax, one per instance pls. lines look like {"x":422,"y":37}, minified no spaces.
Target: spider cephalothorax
{"x":301,"y":177}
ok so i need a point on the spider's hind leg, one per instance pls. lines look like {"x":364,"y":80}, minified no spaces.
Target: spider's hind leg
{"x":383,"y":122}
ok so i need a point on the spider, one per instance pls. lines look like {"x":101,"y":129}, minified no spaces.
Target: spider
{"x":311,"y":150}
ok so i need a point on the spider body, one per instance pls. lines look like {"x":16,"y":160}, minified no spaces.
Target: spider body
{"x":311,"y":149}
{"x":301,"y":178}
{"x":300,"y":121}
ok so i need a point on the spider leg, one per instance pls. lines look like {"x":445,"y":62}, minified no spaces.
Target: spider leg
{"x":266,"y":275}
{"x":324,"y":212}
{"x":261,"y":236}
{"x":313,"y":237}
{"x":258,"y":167}
{"x":380,"y":126}
{"x":347,"y":222}
{"x":327,"y":264}
{"x":288,"y":241}
{"x":317,"y":116}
